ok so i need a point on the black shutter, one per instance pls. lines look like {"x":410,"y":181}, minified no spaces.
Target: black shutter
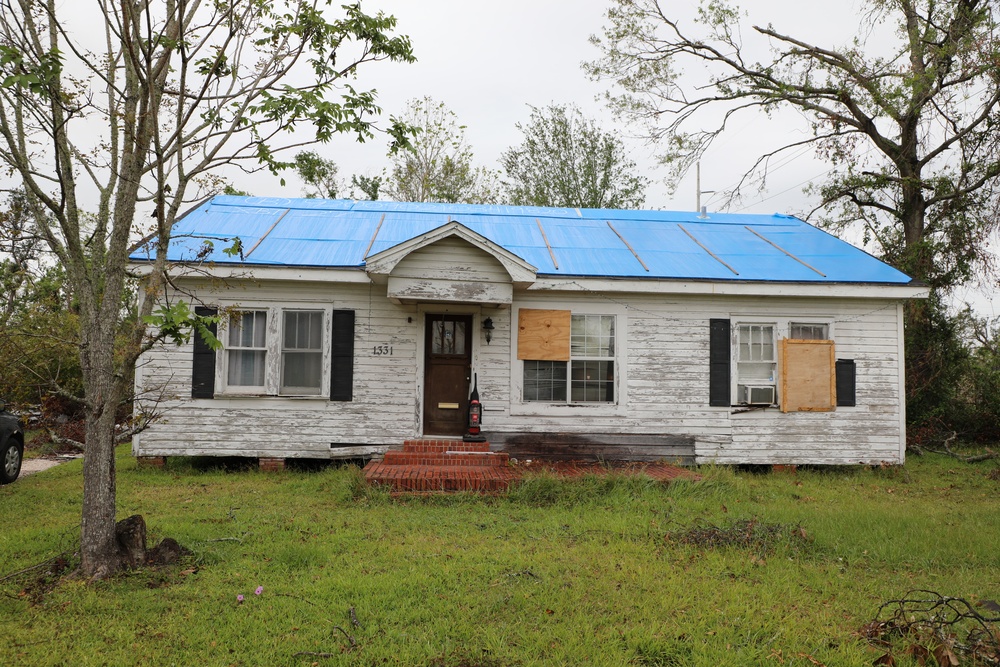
{"x":342,"y":356}
{"x":847,"y":373}
{"x":719,"y":360}
{"x":203,"y":368}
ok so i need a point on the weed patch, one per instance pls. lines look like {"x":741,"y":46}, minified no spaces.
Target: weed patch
{"x":756,"y":536}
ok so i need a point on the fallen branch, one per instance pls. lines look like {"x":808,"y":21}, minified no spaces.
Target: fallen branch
{"x":931,"y":623}
{"x":978,"y":458}
{"x":37,"y":566}
{"x":296,"y":597}
{"x":354,"y":619}
{"x":354,"y":644}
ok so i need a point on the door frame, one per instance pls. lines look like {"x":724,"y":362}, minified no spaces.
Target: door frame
{"x":423,"y":310}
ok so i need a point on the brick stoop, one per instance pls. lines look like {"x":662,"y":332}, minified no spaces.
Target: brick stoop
{"x":442,"y":465}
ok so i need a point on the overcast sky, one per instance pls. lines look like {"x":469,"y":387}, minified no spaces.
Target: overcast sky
{"x":487,"y":61}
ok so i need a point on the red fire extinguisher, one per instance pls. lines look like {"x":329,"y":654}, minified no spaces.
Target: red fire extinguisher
{"x":475,"y":415}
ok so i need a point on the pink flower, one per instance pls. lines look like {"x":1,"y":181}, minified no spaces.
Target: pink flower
{"x":239,"y":598}
{"x":260,"y":589}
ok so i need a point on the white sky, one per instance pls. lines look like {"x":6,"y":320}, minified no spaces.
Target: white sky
{"x":487,"y":61}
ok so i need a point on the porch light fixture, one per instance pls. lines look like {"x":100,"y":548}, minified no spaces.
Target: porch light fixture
{"x":488,"y":329}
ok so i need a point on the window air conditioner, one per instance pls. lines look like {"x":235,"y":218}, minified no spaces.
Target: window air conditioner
{"x":756,"y":394}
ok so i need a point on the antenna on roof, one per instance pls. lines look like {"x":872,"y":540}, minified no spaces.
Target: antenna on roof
{"x":701,"y":210}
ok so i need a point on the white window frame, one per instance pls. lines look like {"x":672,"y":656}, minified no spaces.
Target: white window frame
{"x":782,"y":327}
{"x":229,"y":348}
{"x":286,"y":352}
{"x":274,"y":355}
{"x":521,"y":407}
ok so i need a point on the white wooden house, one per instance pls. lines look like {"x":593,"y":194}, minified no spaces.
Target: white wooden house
{"x":351,"y":326}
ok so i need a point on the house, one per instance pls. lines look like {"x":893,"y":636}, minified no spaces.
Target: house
{"x":349,"y":327}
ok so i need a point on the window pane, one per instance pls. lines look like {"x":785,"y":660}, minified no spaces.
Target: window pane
{"x":301,"y":372}
{"x":448,"y":337}
{"x":247,"y":329}
{"x":592,"y":336}
{"x":246,"y":368}
{"x":593,"y":381}
{"x":802,"y":331}
{"x":302,"y":352}
{"x":544,"y":380}
{"x":303,"y":330}
{"x":756,"y":342}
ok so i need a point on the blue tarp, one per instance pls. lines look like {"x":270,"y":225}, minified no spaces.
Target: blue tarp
{"x":587,"y":242}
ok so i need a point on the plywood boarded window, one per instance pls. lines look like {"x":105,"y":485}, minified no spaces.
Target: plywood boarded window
{"x":808,"y":375}
{"x":543,"y":335}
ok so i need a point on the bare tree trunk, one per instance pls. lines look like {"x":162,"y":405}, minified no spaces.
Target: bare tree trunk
{"x":98,"y":547}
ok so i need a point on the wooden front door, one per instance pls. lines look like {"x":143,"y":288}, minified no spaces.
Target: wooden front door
{"x":447,"y":370}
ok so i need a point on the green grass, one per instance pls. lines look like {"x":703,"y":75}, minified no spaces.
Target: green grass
{"x":592,"y":571}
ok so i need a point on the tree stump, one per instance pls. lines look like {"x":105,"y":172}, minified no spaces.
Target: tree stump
{"x":131,"y":536}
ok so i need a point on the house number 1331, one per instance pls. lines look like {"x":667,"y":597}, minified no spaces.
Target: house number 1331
{"x":380,"y":350}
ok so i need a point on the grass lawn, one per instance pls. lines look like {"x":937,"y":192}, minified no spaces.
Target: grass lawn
{"x":600,"y":571}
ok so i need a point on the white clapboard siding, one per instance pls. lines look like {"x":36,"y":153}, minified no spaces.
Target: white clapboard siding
{"x":662,"y":369}
{"x":452,"y":259}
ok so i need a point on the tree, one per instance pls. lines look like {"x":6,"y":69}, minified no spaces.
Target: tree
{"x":908,"y":121}
{"x":319,"y":175}
{"x":567,"y":160}
{"x":438,"y":166}
{"x":105,"y":130}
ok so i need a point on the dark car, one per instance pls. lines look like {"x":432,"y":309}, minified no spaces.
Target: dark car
{"x":11,"y":445}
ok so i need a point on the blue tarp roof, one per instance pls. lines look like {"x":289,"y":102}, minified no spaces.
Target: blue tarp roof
{"x":584,"y":242}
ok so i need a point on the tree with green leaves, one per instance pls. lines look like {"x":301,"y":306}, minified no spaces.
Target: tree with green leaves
{"x":906,"y":112}
{"x":566,"y":159}
{"x":319,"y":174}
{"x":114,"y":134}
{"x":438,"y":167}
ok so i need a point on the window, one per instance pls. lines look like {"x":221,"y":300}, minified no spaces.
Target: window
{"x":274,"y":351}
{"x":755,"y":357}
{"x":302,"y":352}
{"x":808,"y":331}
{"x":591,"y":366}
{"x":545,"y":381}
{"x":592,"y":352}
{"x":247,"y":348}
{"x":784,"y":362}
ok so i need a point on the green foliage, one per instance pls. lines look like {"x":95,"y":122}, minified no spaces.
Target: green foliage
{"x":957,"y":386}
{"x":177,"y":323}
{"x":438,"y":165}
{"x":319,"y":175}
{"x":588,"y":578}
{"x":567,"y":160}
{"x":366,"y":187}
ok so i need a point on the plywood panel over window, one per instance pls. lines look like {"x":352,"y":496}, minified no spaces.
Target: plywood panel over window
{"x":808,"y":375}
{"x":543,"y":335}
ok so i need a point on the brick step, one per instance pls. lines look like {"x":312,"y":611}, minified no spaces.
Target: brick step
{"x":444,"y":445}
{"x":448,"y":458}
{"x":439,"y":478}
